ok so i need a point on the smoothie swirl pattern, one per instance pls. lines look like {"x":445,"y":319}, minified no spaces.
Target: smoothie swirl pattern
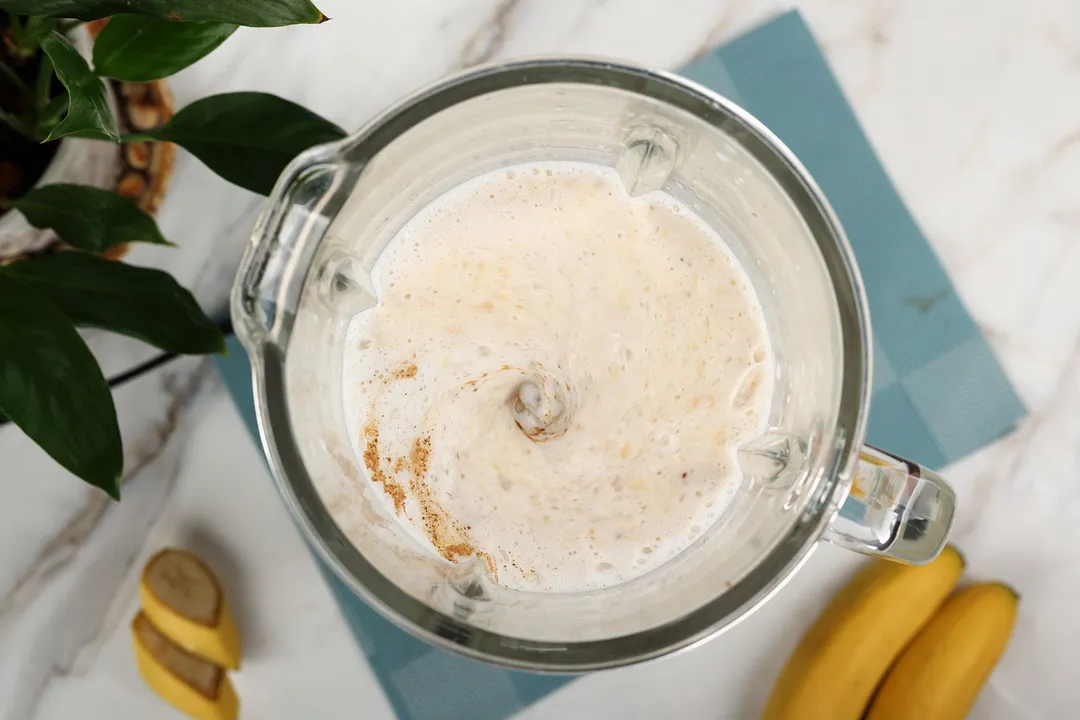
{"x":557,"y":377}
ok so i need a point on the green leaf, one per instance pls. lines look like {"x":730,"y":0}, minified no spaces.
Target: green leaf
{"x":138,"y":302}
{"x":88,"y":112}
{"x":38,"y":26}
{"x":255,"y":13}
{"x":51,"y":387}
{"x":135,"y":48}
{"x":247,"y":137}
{"x":88,"y":218}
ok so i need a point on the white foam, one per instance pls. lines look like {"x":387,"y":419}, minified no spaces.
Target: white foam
{"x":547,"y":283}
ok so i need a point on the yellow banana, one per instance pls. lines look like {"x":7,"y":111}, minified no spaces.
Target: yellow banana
{"x":940,"y":674}
{"x":842,"y":658}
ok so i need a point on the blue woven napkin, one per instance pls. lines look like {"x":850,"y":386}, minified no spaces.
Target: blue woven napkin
{"x":939,"y":393}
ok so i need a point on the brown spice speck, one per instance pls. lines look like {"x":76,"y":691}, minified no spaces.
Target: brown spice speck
{"x":490,"y":563}
{"x":404,"y":373}
{"x":421,"y":452}
{"x":449,"y":539}
{"x":371,"y":461}
{"x":453,"y":552}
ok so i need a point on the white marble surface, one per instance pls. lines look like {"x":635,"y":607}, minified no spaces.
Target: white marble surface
{"x":974,"y":110}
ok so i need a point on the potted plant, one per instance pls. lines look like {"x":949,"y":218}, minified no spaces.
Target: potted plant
{"x":55,"y":103}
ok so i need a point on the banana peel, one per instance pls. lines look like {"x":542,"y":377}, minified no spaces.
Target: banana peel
{"x":940,"y":674}
{"x":845,"y":654}
{"x":182,"y":598}
{"x":189,"y":683}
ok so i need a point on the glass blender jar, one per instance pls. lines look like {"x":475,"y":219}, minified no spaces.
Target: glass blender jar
{"x":808,"y":478}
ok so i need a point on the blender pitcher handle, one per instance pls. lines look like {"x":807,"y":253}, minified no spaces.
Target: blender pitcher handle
{"x":896,"y":509}
{"x":276,"y":260}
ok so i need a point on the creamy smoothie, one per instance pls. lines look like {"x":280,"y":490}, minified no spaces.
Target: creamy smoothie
{"x":556,"y":377}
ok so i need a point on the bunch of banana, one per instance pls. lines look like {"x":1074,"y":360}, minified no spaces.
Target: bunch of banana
{"x":185,"y":637}
{"x":894,"y":645}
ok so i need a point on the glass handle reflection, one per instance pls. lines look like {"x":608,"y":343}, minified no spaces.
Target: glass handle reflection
{"x":276,"y":260}
{"x":896,"y":509}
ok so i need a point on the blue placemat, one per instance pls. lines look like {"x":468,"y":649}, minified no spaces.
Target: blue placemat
{"x":939,"y":393}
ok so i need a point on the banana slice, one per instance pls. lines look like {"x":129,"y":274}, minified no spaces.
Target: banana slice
{"x":183,"y":599}
{"x":187,"y":682}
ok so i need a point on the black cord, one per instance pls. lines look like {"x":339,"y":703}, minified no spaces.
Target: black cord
{"x":145,"y":367}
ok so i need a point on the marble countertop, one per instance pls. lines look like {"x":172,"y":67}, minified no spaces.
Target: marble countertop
{"x":972,"y":106}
